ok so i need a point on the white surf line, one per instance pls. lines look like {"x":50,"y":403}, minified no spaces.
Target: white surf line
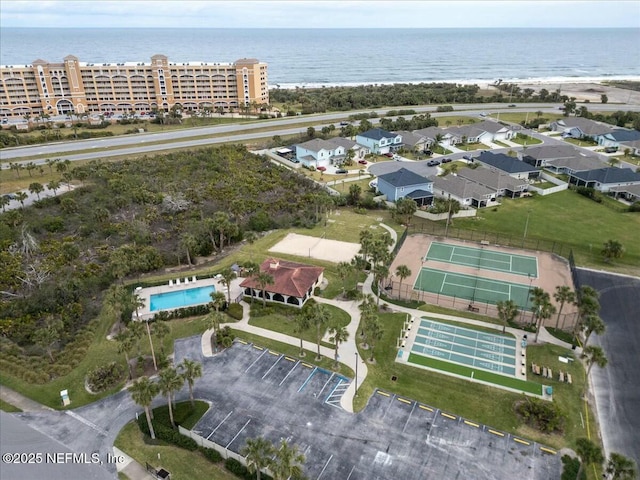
{"x":86,"y":422}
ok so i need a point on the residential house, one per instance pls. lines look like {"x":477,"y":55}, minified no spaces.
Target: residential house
{"x":319,"y":153}
{"x":633,"y":146}
{"x":604,"y":179}
{"x":380,"y":141}
{"x":504,"y":185}
{"x":466,"y":192}
{"x":293,"y":283}
{"x":616,"y":137}
{"x":359,"y":152}
{"x":431,"y":133}
{"x":404,"y":183}
{"x":414,"y":141}
{"x":578,"y":127}
{"x":509,"y":165}
{"x":630,"y":193}
{"x":539,"y":156}
{"x":580,"y":162}
{"x":485,"y":131}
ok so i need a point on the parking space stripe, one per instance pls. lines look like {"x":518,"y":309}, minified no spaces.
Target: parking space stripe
{"x":548,"y":450}
{"x":239,"y":432}
{"x":307,"y":365}
{"x":218,"y":426}
{"x":290,"y":359}
{"x":500,"y":434}
{"x":254,"y":362}
{"x":325,"y":467}
{"x":472,"y":424}
{"x":271,"y":367}
{"x":258,"y":348}
{"x":287,"y":375}
{"x":241,"y":341}
{"x":452,"y":417}
{"x":351,"y":472}
{"x":426,"y":408}
{"x":523,"y":442}
{"x":326,"y":383}
{"x":409,"y":417}
{"x":403,"y":400}
{"x":273,"y":353}
{"x":307,"y":380}
{"x":383,"y":393}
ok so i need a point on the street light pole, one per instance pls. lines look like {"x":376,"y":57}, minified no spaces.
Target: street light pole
{"x":356,"y":393}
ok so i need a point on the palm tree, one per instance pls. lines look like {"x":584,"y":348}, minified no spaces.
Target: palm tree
{"x":287,"y":463}
{"x":138,"y":302}
{"x":4,"y":201}
{"x":620,"y":467}
{"x":258,"y":453}
{"x":545,"y":310}
{"x":344,"y":270}
{"x":507,"y":312}
{"x":217,"y":300}
{"x":160,"y":329}
{"x":53,"y":185}
{"x":264,"y":279}
{"x":170,"y":382}
{"x":367,"y":308}
{"x":593,"y":324}
{"x":36,"y":188}
{"x":537,"y":296}
{"x":188,"y":242}
{"x":302,"y":324}
{"x":373,"y":333}
{"x":588,"y":452}
{"x":319,"y":317}
{"x":21,"y":197}
{"x":339,"y":335}
{"x":594,"y":355}
{"x":588,"y":304}
{"x":227,"y":276}
{"x":125,"y":344}
{"x":563,"y":295}
{"x":611,"y":249}
{"x":380,"y":272}
{"x":143,"y":391}
{"x":190,"y":370}
{"x":213,"y":321}
{"x":402,"y":272}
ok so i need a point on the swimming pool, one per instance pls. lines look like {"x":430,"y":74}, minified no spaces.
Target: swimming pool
{"x":181,"y":298}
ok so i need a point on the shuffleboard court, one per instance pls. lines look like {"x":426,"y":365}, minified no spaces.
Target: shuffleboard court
{"x":484,"y":258}
{"x":471,"y":287}
{"x":465,"y":346}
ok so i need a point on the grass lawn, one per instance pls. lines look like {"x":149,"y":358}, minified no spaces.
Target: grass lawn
{"x":523,"y":139}
{"x":581,"y":143}
{"x":294,"y":352}
{"x":562,"y":335}
{"x":183,"y":413}
{"x":7,"y":407}
{"x":520,"y":116}
{"x":633,"y":159}
{"x":182,"y":464}
{"x":447,"y":167}
{"x":449,"y":120}
{"x":544,"y":185}
{"x":283,"y":320}
{"x":459,"y":396}
{"x":502,"y":144}
{"x":569,"y":219}
{"x":472,"y":146}
{"x":440,"y":150}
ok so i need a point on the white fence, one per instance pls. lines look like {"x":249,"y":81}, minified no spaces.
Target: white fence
{"x":203,"y":442}
{"x":443,"y":216}
{"x":559,"y":185}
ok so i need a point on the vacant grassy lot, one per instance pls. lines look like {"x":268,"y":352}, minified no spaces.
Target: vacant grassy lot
{"x":569,"y":219}
{"x":517,"y":117}
{"x":525,"y":139}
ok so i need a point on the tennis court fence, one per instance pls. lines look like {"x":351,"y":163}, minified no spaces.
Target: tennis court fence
{"x":395,"y":289}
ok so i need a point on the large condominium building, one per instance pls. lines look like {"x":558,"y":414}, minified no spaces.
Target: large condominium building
{"x":93,"y":88}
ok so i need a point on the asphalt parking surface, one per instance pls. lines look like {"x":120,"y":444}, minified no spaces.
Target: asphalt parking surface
{"x":617,"y":387}
{"x":256,"y":392}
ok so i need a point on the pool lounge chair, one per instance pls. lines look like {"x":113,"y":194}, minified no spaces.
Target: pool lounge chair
{"x":177,"y":281}
{"x":171,"y":283}
{"x":186,"y":280}
{"x":193,"y":279}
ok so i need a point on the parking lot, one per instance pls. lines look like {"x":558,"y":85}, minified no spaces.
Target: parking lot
{"x":258,"y":392}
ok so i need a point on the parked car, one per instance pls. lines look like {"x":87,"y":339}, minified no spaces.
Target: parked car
{"x":344,"y":124}
{"x":483,"y":114}
{"x":445,"y":160}
{"x":341,"y":170}
{"x":390,"y":155}
{"x":321,"y":169}
{"x":428,"y":152}
{"x":362,"y":162}
{"x":512,"y":105}
{"x":433,"y":163}
{"x":467,"y":157}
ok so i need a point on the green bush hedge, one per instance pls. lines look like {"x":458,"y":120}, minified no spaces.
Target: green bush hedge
{"x":235,"y":311}
{"x":104,"y":377}
{"x":212,"y":455}
{"x":167,"y":433}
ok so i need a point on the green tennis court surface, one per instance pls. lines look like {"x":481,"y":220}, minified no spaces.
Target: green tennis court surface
{"x":469,"y":287}
{"x":484,"y":258}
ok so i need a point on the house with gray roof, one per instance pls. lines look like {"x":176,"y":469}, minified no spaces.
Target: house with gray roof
{"x":578,"y":127}
{"x":509,"y":165}
{"x":466,"y":192}
{"x":630,"y":193}
{"x":604,"y":179}
{"x":485,"y":131}
{"x":414,"y":141}
{"x":319,"y":153}
{"x":539,"y":156}
{"x":614,"y":138}
{"x":502,"y":184}
{"x":380,"y":141}
{"x":447,"y":138}
{"x":359,"y":151}
{"x":578,"y":163}
{"x":633,"y":146}
{"x":405,"y":183}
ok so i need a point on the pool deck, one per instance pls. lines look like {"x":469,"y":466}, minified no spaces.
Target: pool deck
{"x":145,"y":293}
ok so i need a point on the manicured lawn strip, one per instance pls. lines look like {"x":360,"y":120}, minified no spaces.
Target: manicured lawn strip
{"x":472,"y":146}
{"x":562,"y":335}
{"x":458,"y":313}
{"x":525,"y":139}
{"x":485,"y":376}
{"x":282,"y":322}
{"x":517,"y":117}
{"x":567,"y":218}
{"x":7,"y":407}
{"x":183,"y":464}
{"x":294,"y":351}
{"x":183,"y":414}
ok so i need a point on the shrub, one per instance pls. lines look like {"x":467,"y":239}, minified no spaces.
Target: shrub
{"x":634,"y":207}
{"x":545,"y":416}
{"x":225,"y":337}
{"x":570,"y":469}
{"x":167,"y":433}
{"x":235,"y":311}
{"x":444,"y":108}
{"x":104,"y":377}
{"x":235,"y":467}
{"x":211,"y":454}
{"x":590,"y":192}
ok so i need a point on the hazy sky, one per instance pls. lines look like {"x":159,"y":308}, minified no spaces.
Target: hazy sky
{"x":320,"y":14}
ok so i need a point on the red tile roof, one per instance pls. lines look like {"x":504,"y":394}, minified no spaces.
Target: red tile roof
{"x":289,"y":278}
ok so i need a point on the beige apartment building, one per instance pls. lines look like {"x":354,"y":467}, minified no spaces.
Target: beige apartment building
{"x":95,"y":88}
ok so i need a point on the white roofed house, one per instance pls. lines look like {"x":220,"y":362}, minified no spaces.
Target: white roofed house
{"x":319,"y":153}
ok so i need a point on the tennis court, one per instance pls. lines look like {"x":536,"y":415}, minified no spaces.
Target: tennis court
{"x":484,"y":258}
{"x":471,"y":287}
{"x":465,"y":346}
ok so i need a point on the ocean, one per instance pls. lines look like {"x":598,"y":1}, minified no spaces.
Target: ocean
{"x":328,"y":57}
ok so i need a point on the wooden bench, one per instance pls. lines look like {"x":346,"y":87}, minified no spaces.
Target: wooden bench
{"x":569,"y":378}
{"x":471,"y":308}
{"x":544,"y":371}
{"x":537,"y":369}
{"x":561,"y":376}
{"x":549,"y":374}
